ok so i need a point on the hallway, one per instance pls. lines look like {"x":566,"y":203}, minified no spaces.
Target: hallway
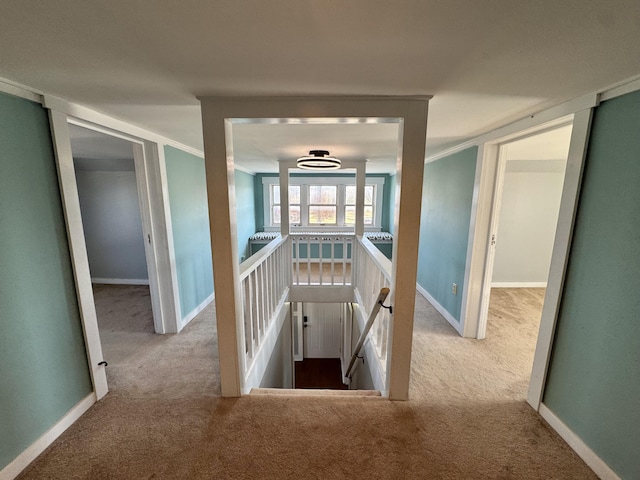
{"x":466,"y":419}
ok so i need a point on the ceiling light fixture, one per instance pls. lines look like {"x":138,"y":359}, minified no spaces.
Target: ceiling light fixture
{"x":318,"y":160}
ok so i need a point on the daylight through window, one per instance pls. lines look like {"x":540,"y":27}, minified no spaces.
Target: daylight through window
{"x":323,"y":203}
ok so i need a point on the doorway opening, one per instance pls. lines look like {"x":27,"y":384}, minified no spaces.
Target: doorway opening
{"x":324,"y":335}
{"x":526,"y":206}
{"x":108,"y":181}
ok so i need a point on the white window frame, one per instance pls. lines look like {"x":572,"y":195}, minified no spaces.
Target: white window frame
{"x":374,"y":205}
{"x":341,"y":183}
{"x":272,"y":203}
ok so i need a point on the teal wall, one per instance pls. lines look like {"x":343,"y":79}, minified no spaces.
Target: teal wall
{"x":387,"y":212}
{"x":258,"y":191}
{"x":190,"y":222}
{"x":444,"y":227}
{"x":43,"y":363}
{"x":386,"y":196}
{"x":245,"y":211}
{"x":594,"y":378}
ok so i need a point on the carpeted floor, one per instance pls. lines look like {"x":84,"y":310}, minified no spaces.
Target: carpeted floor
{"x":467,"y":418}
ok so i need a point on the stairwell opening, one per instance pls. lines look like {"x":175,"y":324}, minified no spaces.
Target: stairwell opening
{"x":314,"y":349}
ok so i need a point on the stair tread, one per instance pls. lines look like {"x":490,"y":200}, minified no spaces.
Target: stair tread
{"x":310,"y":392}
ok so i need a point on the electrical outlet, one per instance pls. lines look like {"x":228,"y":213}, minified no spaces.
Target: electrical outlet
{"x":454,"y":288}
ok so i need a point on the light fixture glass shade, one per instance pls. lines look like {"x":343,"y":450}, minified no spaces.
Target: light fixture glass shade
{"x":318,"y":160}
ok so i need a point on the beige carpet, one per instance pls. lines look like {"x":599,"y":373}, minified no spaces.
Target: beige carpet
{"x":467,"y":418}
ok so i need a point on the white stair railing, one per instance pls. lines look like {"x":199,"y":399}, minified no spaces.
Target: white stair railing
{"x":372,"y":273}
{"x":322,"y":259}
{"x":264,"y":278}
{"x":312,"y":260}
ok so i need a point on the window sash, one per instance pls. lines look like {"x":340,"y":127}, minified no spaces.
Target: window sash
{"x":376,"y":184}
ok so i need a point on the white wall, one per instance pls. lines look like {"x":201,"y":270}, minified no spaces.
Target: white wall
{"x":112,"y":225}
{"x":361,"y":378}
{"x":527,"y":225}
{"x":279,"y":372}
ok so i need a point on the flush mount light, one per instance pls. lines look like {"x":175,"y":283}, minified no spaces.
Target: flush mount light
{"x":318,"y":160}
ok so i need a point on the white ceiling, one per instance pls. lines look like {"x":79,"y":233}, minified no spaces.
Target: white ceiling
{"x":259,"y":147}
{"x":98,"y":152}
{"x":486,"y":63}
{"x":549,"y":145}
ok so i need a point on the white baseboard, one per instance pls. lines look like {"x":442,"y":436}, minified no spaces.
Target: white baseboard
{"x":441,"y":310}
{"x":192,"y":314}
{"x":23,"y":460}
{"x":518,"y":284}
{"x":121,"y":281}
{"x":575,"y":442}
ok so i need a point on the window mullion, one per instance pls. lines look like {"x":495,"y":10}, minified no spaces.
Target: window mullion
{"x":304,"y":205}
{"x":340,"y":205}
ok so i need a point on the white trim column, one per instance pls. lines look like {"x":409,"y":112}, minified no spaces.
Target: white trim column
{"x":409,"y":176}
{"x":284,"y":198}
{"x":219,"y":114}
{"x":218,"y":147}
{"x":361,"y":178}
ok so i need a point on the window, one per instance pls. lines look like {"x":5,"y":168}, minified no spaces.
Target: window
{"x":294,"y":204}
{"x":323,"y":203}
{"x":350,"y":204}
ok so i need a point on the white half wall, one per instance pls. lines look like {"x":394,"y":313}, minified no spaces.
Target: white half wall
{"x":528,"y":220}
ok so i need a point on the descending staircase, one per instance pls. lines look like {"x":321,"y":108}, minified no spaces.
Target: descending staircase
{"x":314,"y":392}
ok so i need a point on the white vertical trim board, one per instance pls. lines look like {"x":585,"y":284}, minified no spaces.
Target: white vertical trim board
{"x":78,"y":249}
{"x":560,"y":254}
{"x":490,"y":241}
{"x":441,"y":310}
{"x":23,"y":460}
{"x":575,"y":442}
{"x":161,"y":214}
{"x":478,"y":242}
{"x":145,"y":159}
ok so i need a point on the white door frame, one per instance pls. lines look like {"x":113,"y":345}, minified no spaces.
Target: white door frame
{"x":78,"y":250}
{"x":501,"y":157}
{"x":485,"y":294}
{"x":145,"y":214}
{"x":488,"y":185}
{"x":153,"y":200}
{"x":560,"y":256}
{"x":219,"y":114}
